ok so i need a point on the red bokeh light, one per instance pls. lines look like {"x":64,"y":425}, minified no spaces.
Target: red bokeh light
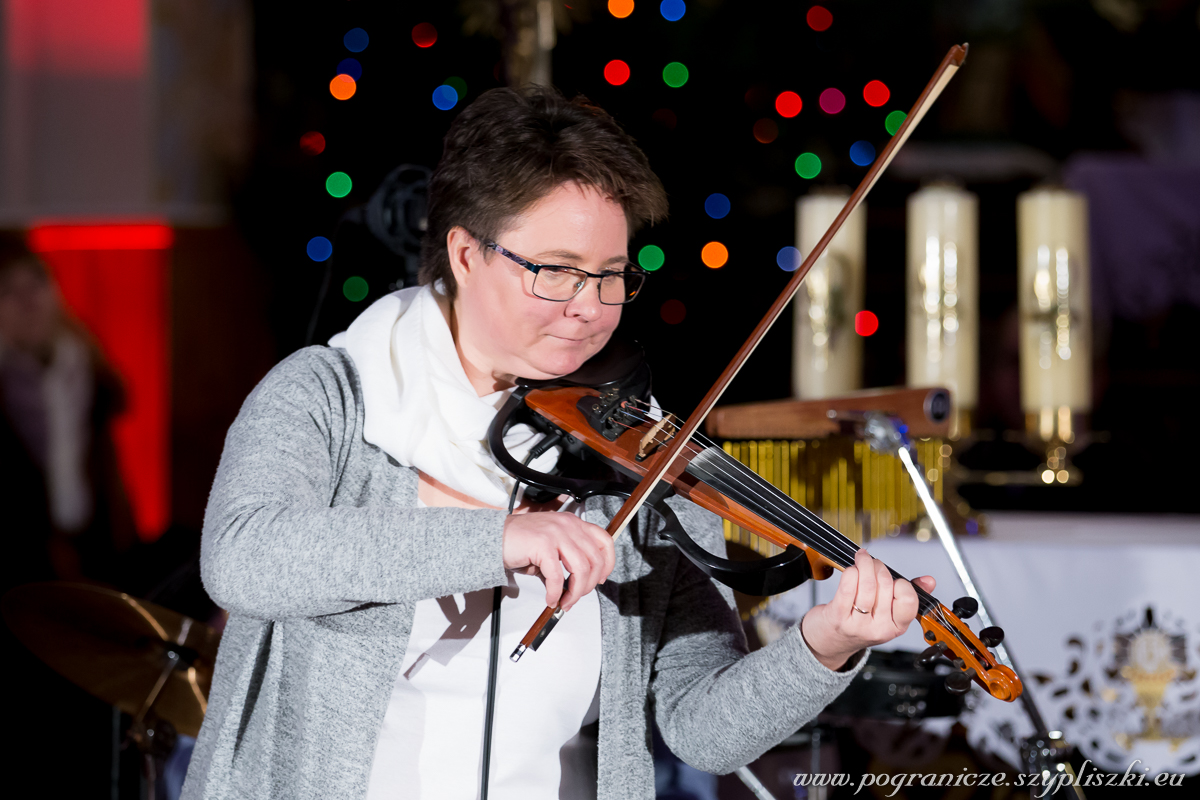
{"x":865,"y":323}
{"x":312,"y":143}
{"x":876,"y":93}
{"x":665,"y":117}
{"x":766,"y":131}
{"x":424,"y":35}
{"x":673,"y":312}
{"x":819,"y":18}
{"x":788,"y":104}
{"x":616,"y":72}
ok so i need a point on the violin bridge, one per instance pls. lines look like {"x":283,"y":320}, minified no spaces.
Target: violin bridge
{"x":668,"y":425}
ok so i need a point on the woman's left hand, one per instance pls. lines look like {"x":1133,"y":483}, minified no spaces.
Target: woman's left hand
{"x":869,"y":608}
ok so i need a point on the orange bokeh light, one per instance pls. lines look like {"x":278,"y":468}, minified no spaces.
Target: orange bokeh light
{"x":714,"y":255}
{"x":342,"y":87}
{"x":620,"y":8}
{"x":766,"y":131}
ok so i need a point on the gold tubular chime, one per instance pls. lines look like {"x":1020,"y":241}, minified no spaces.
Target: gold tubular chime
{"x":864,"y":494}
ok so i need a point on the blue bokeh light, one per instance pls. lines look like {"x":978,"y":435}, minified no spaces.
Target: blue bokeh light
{"x":862,"y":153}
{"x":788,"y":259}
{"x":717,"y":205}
{"x":351,"y":67}
{"x":445,"y":98}
{"x":356,"y":40}
{"x":319,"y":248}
{"x":672,"y":10}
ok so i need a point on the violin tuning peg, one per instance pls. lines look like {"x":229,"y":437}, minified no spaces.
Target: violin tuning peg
{"x":991,"y":636}
{"x":959,"y":682}
{"x":929,"y":655}
{"x":965,"y":607}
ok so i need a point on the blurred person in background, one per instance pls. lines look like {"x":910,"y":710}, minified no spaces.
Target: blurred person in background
{"x":66,"y":514}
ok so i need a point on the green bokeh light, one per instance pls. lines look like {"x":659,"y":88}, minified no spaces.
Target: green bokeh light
{"x":651,"y":257}
{"x":808,"y":165}
{"x":458,"y":84}
{"x":675,"y":74}
{"x":355,"y":288}
{"x":894,"y":121}
{"x":338,"y":184}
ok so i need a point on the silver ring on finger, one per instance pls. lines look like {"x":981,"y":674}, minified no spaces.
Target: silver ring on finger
{"x":861,"y":611}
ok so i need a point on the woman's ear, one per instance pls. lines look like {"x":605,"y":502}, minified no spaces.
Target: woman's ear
{"x":459,"y":245}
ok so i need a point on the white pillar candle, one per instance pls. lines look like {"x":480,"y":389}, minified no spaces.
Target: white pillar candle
{"x":1054,"y":291}
{"x":943,"y":292}
{"x":827,"y":358}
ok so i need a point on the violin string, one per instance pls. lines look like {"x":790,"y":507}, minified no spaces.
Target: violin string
{"x":785,"y":512}
{"x":846,"y":545}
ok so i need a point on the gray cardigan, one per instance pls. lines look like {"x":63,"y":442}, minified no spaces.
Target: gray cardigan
{"x":313,"y":542}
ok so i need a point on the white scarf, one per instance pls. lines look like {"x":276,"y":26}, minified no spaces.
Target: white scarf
{"x":419,"y":405}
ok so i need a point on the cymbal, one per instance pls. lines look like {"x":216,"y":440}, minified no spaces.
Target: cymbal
{"x":116,"y":647}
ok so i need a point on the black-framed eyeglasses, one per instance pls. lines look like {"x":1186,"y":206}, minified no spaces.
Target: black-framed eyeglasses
{"x":559,"y":284}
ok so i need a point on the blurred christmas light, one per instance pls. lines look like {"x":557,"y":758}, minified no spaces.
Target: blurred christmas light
{"x":312,"y":143}
{"x":338,"y":184}
{"x":616,"y":72}
{"x":714,"y":255}
{"x":717,"y":206}
{"x":819,"y":18}
{"x":766,"y":131}
{"x":757,"y":97}
{"x":894,"y":120}
{"x":672,"y":10}
{"x":788,"y":104}
{"x":351,"y":67}
{"x":808,"y":165}
{"x":865,"y":323}
{"x":319,"y":248}
{"x":675,"y":74}
{"x":424,"y":35}
{"x":444,"y":97}
{"x":342,"y":87}
{"x":356,"y":40}
{"x":862,"y":153}
{"x":832,"y":101}
{"x":788,"y":259}
{"x":620,"y":8}
{"x":673,"y":312}
{"x":651,"y":257}
{"x":457,"y":84}
{"x":876,"y":93}
{"x":665,"y":117}
{"x":355,"y":288}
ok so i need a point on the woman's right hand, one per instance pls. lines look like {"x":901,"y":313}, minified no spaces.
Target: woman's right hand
{"x":542,"y":543}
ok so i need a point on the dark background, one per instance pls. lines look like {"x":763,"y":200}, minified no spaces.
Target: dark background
{"x":1048,"y":77}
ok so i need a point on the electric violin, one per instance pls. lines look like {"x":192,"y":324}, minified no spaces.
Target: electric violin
{"x":603,"y":417}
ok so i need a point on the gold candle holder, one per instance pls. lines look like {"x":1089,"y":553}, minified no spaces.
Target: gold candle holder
{"x":828,"y":353}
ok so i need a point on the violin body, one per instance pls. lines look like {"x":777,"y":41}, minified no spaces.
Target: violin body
{"x":611,"y":437}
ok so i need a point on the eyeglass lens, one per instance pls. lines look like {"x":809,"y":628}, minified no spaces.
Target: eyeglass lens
{"x":563,"y":283}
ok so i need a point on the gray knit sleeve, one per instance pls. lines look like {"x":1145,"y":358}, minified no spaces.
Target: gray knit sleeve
{"x":718,"y":707}
{"x":300,"y":522}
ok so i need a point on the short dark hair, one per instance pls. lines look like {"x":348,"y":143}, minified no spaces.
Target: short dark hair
{"x":510,"y":148}
{"x":14,"y":252}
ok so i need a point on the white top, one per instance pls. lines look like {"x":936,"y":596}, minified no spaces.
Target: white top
{"x":431,"y":743}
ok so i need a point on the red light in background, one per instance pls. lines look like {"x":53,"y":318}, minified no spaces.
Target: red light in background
{"x":865,"y":323}
{"x":876,"y":93}
{"x":424,"y":35}
{"x":665,"y":117}
{"x":673,"y":312}
{"x":788,"y":104}
{"x":312,"y":143}
{"x":765,"y":130}
{"x":616,"y":72}
{"x":819,"y":18}
{"x":115,"y":279}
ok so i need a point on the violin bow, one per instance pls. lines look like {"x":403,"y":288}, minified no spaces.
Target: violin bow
{"x":945,"y":71}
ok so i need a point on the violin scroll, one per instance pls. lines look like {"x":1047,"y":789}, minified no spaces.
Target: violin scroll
{"x":950,"y":637}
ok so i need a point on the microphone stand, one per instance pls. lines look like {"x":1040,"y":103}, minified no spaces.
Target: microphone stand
{"x":1045,"y":752}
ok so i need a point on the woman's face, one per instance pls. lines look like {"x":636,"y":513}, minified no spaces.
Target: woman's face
{"x":29,"y":312}
{"x":503,"y":329}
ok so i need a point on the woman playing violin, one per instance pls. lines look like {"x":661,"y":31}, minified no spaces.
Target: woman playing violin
{"x":358,"y":525}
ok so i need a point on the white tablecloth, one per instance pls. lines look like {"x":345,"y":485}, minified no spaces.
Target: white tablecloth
{"x":1101,"y":614}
